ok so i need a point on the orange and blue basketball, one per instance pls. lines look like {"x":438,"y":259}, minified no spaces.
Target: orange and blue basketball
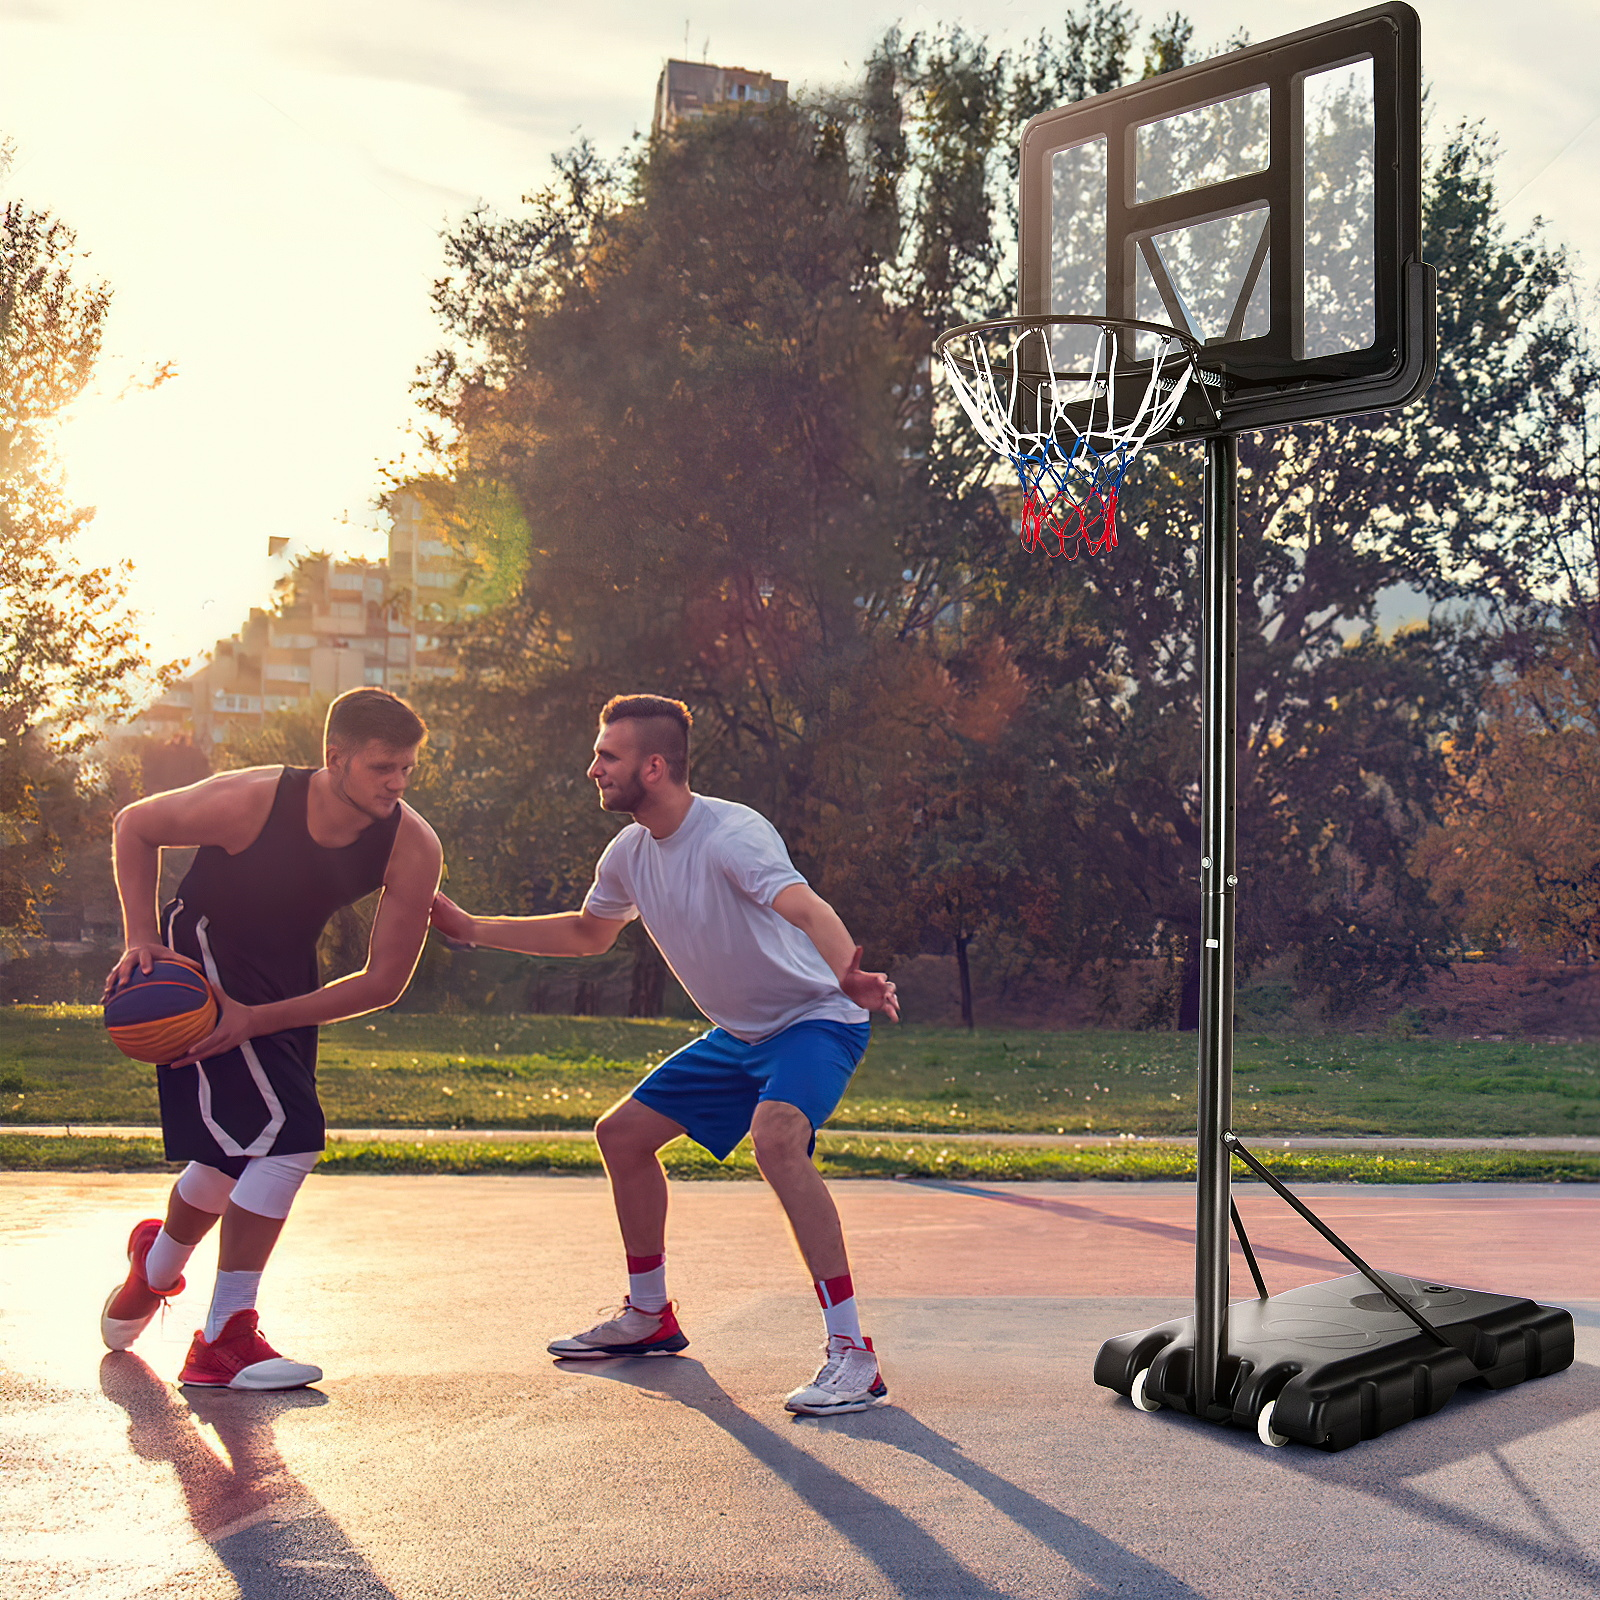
{"x":159,"y":1015}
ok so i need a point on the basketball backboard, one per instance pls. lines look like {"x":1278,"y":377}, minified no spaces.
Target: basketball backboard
{"x":1267,"y":203}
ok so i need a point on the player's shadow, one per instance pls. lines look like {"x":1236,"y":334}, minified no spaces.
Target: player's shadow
{"x":907,"y":1555}
{"x":265,"y":1526}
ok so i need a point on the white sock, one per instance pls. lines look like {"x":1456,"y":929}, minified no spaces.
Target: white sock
{"x":838,"y":1298}
{"x":235,"y":1291}
{"x":647,"y":1283}
{"x":165,"y":1263}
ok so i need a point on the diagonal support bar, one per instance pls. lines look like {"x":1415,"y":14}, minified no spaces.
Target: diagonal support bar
{"x":1249,"y":1254}
{"x":1394,"y":1297}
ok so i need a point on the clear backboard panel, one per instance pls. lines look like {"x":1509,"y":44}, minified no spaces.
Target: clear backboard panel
{"x":1266,"y":203}
{"x":1337,"y":228}
{"x":1077,"y":241}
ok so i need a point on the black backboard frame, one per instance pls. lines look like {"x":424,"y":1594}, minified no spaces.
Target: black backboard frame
{"x":1271,"y":384}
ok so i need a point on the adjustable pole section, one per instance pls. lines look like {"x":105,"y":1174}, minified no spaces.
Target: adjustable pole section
{"x":1219,"y":764}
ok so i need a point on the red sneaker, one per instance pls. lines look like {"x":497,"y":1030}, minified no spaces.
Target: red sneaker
{"x":631,"y":1332}
{"x":131,"y":1306}
{"x":239,"y":1358}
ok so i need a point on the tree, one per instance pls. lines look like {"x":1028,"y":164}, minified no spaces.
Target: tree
{"x":689,"y":386}
{"x":1517,"y":854}
{"x":917,"y":808}
{"x":703,"y":376}
{"x":69,"y":655}
{"x":1562,"y":484}
{"x":706,"y":382}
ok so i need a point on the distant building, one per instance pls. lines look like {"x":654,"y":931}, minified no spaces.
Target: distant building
{"x":431,"y":584}
{"x":341,"y":623}
{"x":689,"y":90}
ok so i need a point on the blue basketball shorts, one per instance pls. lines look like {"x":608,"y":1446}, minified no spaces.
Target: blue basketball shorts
{"x":712,"y":1086}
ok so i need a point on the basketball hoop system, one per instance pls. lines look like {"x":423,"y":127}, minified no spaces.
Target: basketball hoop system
{"x":1266,"y":205}
{"x":1071,"y":436}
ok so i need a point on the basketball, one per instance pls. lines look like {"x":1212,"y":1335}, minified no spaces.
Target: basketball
{"x":158,"y":1015}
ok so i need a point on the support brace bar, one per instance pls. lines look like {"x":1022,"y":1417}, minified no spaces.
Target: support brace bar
{"x":1395,"y":1298}
{"x":1249,"y":1254}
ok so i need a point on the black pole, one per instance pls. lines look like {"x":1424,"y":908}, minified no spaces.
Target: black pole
{"x":1219,"y":764}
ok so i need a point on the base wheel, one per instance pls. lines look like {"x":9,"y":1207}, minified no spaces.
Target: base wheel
{"x":1265,"y":1432}
{"x":1138,"y":1396}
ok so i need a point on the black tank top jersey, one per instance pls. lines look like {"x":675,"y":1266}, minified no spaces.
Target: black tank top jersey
{"x":253,"y":921}
{"x":262,"y":911}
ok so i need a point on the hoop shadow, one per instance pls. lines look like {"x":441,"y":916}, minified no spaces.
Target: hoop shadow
{"x":1477,"y":1423}
{"x":1173,"y":1232}
{"x":265,"y":1526}
{"x":907,"y":1555}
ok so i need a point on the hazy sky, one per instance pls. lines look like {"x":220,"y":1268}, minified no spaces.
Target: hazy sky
{"x":264,"y":186}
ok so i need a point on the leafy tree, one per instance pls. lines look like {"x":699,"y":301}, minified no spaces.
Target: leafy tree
{"x":688,"y":386}
{"x":1341,"y":744}
{"x":1561,"y":489}
{"x":706,"y":381}
{"x":1499,"y":465}
{"x":1518,"y":850}
{"x":69,"y":656}
{"x":916,"y":808}
{"x":291,"y":737}
{"x":703,"y":377}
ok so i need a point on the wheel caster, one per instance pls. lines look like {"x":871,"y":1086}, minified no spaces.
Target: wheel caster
{"x":1265,"y":1432}
{"x":1137,"y":1394}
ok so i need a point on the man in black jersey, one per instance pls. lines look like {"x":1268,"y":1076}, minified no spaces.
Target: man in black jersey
{"x":280,"y":849}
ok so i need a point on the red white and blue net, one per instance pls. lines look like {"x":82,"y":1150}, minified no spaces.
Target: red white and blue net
{"x":1069,"y":436}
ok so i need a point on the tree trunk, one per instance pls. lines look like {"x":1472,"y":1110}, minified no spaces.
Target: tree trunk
{"x":535,"y":994}
{"x":586,"y":1000}
{"x":1189,"y":994}
{"x":649,"y":980}
{"x":962,"y":940}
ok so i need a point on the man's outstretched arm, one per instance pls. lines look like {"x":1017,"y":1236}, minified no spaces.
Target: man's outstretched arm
{"x":563,"y":933}
{"x":806,"y":910}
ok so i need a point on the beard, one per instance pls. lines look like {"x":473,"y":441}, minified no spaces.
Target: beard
{"x":380,"y":810}
{"x":627,"y":797}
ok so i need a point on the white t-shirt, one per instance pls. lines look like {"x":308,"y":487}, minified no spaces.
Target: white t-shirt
{"x":705,"y":893}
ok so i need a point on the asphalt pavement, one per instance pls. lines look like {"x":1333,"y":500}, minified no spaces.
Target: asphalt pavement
{"x":446,"y":1455}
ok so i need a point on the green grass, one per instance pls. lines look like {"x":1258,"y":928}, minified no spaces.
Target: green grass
{"x":842,"y":1156}
{"x":535,"y":1072}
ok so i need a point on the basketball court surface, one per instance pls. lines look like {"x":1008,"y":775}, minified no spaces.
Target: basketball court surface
{"x":446,"y":1455}
{"x":1231,"y":246}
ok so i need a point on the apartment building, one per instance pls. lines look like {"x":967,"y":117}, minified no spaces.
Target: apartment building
{"x":340,"y":623}
{"x":689,"y":90}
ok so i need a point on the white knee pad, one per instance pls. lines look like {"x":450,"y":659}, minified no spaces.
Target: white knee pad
{"x":204,"y":1188}
{"x":270,"y":1183}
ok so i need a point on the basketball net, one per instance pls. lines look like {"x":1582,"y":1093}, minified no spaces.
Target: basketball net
{"x":1062,"y":432}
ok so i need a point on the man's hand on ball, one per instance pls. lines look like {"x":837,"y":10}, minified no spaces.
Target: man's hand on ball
{"x":143,"y":956}
{"x":872,"y":991}
{"x":235,"y":1024}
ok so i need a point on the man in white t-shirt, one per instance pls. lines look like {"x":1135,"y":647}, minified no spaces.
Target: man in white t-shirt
{"x":772,"y":966}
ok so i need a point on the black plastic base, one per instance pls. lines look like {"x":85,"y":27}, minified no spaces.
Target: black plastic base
{"x":1341,"y":1363}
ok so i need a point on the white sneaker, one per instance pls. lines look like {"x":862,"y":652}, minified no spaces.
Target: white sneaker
{"x":847,"y":1381}
{"x":630,"y":1333}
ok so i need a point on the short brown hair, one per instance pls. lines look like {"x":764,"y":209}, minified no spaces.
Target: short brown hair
{"x":665,"y":730}
{"x":361,"y":716}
